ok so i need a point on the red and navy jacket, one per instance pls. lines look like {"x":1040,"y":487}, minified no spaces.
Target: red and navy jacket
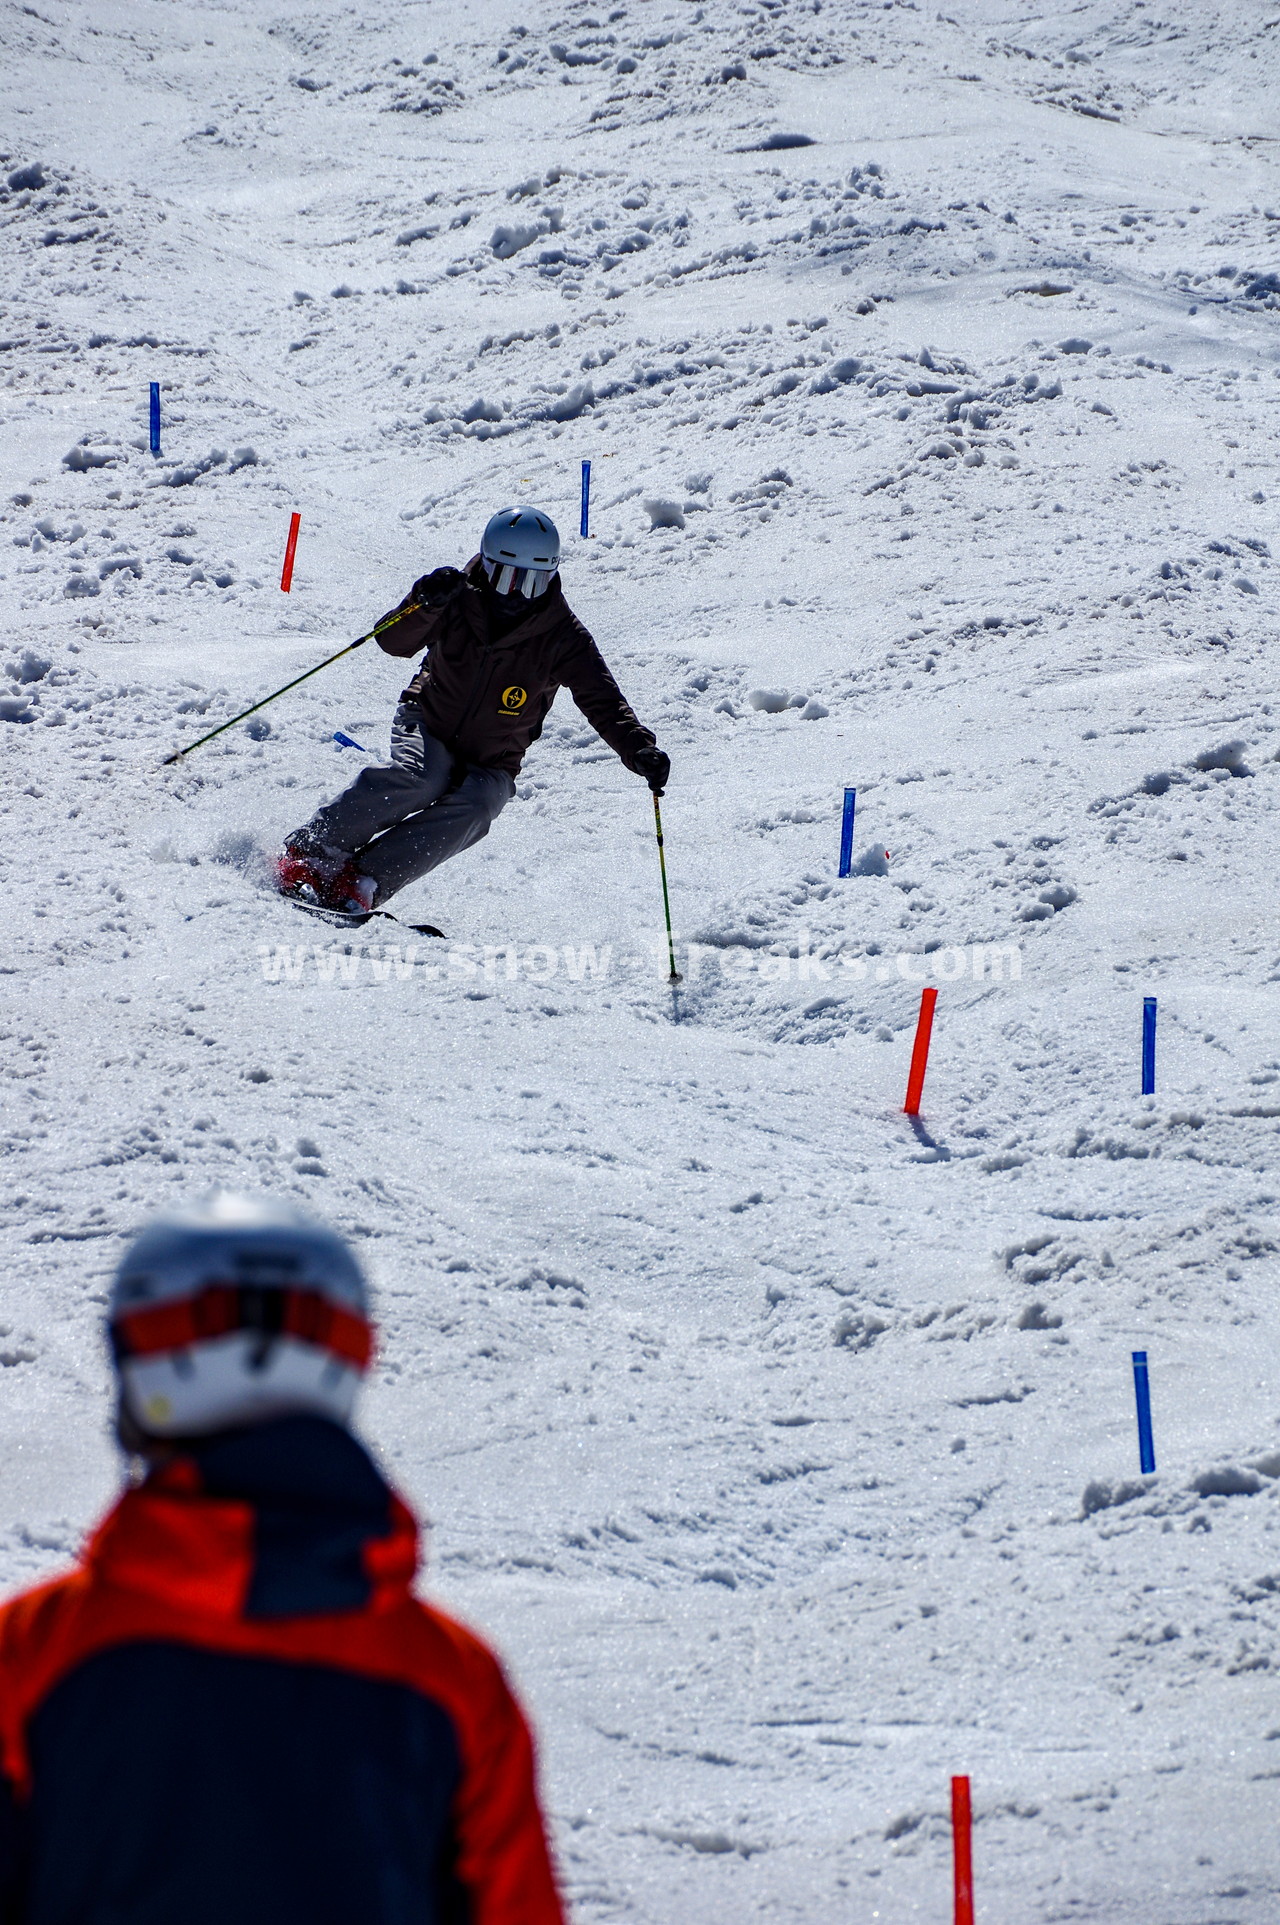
{"x":235,"y":1712}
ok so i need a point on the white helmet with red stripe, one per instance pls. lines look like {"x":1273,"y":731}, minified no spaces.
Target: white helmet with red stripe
{"x":235,"y":1310}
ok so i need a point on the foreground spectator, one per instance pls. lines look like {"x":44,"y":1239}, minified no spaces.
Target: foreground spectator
{"x":235,"y":1712}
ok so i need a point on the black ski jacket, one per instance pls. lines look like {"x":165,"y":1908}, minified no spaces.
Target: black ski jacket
{"x":485,"y":692}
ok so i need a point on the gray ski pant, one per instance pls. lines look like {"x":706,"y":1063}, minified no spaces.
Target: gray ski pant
{"x":401,"y":818}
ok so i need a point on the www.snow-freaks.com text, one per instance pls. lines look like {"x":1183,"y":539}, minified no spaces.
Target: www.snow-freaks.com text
{"x":338,"y":963}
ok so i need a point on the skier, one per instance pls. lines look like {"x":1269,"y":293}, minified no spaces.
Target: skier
{"x":500,"y":641}
{"x":235,"y":1709}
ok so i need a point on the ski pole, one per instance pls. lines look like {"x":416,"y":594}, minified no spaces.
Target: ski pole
{"x":359,"y":642}
{"x":675,"y":976}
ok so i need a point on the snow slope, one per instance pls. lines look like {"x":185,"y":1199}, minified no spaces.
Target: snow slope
{"x":786,"y":1448}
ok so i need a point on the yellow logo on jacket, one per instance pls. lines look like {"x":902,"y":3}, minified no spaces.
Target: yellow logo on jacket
{"x":514,"y":698}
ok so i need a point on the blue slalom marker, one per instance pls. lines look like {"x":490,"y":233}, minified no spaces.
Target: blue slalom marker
{"x":584,"y":524}
{"x":1148,"y":1046}
{"x":345,"y":742}
{"x":155,"y":417}
{"x":846,"y":832}
{"x":1142,"y":1391}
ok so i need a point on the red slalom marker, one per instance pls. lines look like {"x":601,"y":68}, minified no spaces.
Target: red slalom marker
{"x":962,"y":1835}
{"x":286,"y":575}
{"x":920,"y":1052}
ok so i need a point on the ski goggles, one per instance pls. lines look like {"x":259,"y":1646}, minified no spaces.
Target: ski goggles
{"x":517,"y":581}
{"x":221,"y":1309}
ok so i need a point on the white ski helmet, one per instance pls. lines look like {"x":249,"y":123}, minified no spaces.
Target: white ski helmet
{"x":234,"y":1310}
{"x":520,"y":550}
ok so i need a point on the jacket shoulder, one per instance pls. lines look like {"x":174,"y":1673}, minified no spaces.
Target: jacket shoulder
{"x":456,"y":1667}
{"x":572,"y":632}
{"x":43,"y":1634}
{"x":32,"y":1618}
{"x":446,"y":1640}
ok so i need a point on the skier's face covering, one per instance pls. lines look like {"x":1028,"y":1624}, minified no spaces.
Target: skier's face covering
{"x":507,"y":613}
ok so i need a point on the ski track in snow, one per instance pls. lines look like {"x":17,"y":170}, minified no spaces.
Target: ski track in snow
{"x":787,"y":1451}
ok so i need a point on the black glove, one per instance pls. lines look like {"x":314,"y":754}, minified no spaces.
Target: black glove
{"x":655,"y":767}
{"x":440,"y":586}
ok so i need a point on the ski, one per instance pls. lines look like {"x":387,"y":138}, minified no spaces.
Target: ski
{"x":340,"y":919}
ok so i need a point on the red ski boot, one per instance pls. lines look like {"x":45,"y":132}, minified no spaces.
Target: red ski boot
{"x":323,"y":879}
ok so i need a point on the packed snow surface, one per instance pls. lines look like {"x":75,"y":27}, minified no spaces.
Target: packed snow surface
{"x":927,"y":365}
